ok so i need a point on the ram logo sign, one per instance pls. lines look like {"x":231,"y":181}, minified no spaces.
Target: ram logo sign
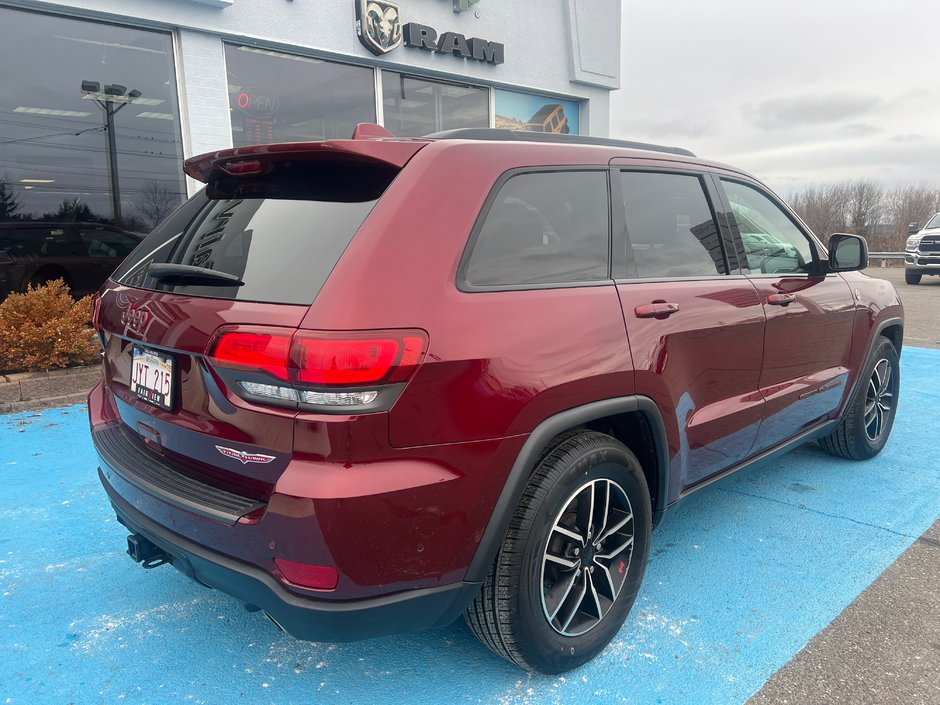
{"x":378,"y":24}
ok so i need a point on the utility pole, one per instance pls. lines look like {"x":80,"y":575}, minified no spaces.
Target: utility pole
{"x":113,"y":94}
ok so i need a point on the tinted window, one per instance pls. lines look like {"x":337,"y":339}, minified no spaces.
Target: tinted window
{"x":772,"y":242}
{"x":544,"y":228}
{"x":282,"y":248}
{"x":670,"y":226}
{"x":277,"y":97}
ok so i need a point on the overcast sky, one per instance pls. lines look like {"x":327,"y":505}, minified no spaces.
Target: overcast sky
{"x":794,"y":92}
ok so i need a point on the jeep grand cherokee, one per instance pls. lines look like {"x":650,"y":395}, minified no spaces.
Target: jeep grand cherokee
{"x":370,"y":385}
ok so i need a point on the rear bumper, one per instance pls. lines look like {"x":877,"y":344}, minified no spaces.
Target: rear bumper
{"x":301,"y":616}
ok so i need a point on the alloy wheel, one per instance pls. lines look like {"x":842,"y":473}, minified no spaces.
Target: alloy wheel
{"x":879,"y":399}
{"x":587,"y":557}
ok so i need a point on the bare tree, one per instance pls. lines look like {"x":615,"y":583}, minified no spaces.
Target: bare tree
{"x":156,"y":203}
{"x":866,"y":205}
{"x":823,"y":208}
{"x":911,"y":203}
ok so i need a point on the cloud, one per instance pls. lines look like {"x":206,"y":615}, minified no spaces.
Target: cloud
{"x":910,"y":137}
{"x":809,"y":109}
{"x":687,"y":125}
{"x":860,"y":129}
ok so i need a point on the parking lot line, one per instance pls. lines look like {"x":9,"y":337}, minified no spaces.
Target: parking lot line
{"x":741,"y":576}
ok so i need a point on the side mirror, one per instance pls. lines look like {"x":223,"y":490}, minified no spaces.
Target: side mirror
{"x":847,"y":253}
{"x":912,"y":229}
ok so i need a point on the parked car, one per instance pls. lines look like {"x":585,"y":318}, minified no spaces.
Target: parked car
{"x":83,"y":254}
{"x":367,"y":400}
{"x":922,"y":252}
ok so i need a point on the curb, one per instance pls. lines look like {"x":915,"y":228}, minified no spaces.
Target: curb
{"x":23,"y":391}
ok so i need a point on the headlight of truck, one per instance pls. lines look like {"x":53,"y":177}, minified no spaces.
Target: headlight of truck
{"x":913,"y":242}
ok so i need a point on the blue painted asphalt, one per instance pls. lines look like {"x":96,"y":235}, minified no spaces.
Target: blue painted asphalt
{"x":742,"y":575}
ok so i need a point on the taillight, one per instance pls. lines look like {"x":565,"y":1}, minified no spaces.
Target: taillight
{"x":255,"y":349}
{"x":326,"y":371}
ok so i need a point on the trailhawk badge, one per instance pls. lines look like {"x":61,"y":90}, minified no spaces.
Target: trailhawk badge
{"x":378,"y":24}
{"x":244,"y":456}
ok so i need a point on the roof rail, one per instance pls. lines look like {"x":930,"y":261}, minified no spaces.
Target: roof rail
{"x":501,"y":134}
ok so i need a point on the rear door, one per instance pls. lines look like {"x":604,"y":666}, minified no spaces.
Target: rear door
{"x":695,"y":325}
{"x":810,"y":313}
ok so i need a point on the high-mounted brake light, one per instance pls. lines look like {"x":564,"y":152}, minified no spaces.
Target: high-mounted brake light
{"x":243,"y":167}
{"x":315,"y":368}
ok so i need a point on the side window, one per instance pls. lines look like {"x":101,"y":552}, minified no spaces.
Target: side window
{"x":670,"y":226}
{"x":772,"y":242}
{"x":544,"y":228}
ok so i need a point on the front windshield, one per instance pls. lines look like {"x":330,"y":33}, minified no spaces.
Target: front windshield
{"x":934,"y":222}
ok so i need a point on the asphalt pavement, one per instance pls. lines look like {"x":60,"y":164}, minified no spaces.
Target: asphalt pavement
{"x":742,"y":576}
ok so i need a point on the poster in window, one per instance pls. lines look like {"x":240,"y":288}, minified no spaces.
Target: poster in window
{"x":537,"y":113}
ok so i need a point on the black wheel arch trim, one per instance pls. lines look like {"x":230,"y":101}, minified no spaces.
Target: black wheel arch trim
{"x":538,"y":439}
{"x":880,"y":327}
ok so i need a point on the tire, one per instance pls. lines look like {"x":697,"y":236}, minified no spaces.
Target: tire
{"x":529,"y":610}
{"x":870,"y":416}
{"x":43,"y":277}
{"x":911,"y":277}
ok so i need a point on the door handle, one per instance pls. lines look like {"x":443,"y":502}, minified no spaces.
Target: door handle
{"x":781,"y":299}
{"x":657,"y":309}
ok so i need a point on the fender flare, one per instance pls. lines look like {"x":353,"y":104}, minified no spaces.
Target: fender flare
{"x":538,"y":439}
{"x":877,"y":331}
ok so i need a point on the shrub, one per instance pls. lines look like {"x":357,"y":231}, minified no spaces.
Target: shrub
{"x":45,"y":328}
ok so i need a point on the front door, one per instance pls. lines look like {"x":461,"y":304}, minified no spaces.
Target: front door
{"x":809,"y":311}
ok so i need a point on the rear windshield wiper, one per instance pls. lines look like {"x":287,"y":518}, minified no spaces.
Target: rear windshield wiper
{"x":189,"y":274}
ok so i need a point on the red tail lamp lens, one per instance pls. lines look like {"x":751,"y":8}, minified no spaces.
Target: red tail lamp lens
{"x":322,"y":359}
{"x":318,"y":577}
{"x":265,"y":351}
{"x":344,"y":361}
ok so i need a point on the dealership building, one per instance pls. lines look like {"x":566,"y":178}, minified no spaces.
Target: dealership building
{"x":101,"y":100}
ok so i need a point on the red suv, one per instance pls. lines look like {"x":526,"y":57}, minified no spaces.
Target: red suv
{"x":370,"y":385}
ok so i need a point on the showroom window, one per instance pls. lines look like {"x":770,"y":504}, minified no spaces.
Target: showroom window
{"x":278,"y":97}
{"x":89,"y":122}
{"x":418,"y":106}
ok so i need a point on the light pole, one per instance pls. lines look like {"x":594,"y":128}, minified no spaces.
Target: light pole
{"x":111,"y":100}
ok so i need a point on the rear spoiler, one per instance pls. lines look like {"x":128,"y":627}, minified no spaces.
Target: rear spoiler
{"x":369,"y":143}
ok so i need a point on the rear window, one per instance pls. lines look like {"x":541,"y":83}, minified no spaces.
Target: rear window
{"x":282,"y":239}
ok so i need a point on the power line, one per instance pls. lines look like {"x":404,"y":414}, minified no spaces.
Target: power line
{"x":54,"y":134}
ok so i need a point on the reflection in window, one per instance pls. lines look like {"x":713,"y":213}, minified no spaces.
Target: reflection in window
{"x":277,"y":97}
{"x":54,"y":153}
{"x":544,"y":228}
{"x":772,"y":243}
{"x":415,"y":106}
{"x":670,"y":226}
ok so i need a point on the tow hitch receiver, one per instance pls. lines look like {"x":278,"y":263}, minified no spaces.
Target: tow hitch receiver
{"x":146,"y":553}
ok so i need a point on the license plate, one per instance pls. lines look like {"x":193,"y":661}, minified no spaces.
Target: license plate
{"x":152,"y":377}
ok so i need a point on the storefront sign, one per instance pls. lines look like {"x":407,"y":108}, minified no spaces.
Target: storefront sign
{"x":420,"y":36}
{"x":379,"y":26}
